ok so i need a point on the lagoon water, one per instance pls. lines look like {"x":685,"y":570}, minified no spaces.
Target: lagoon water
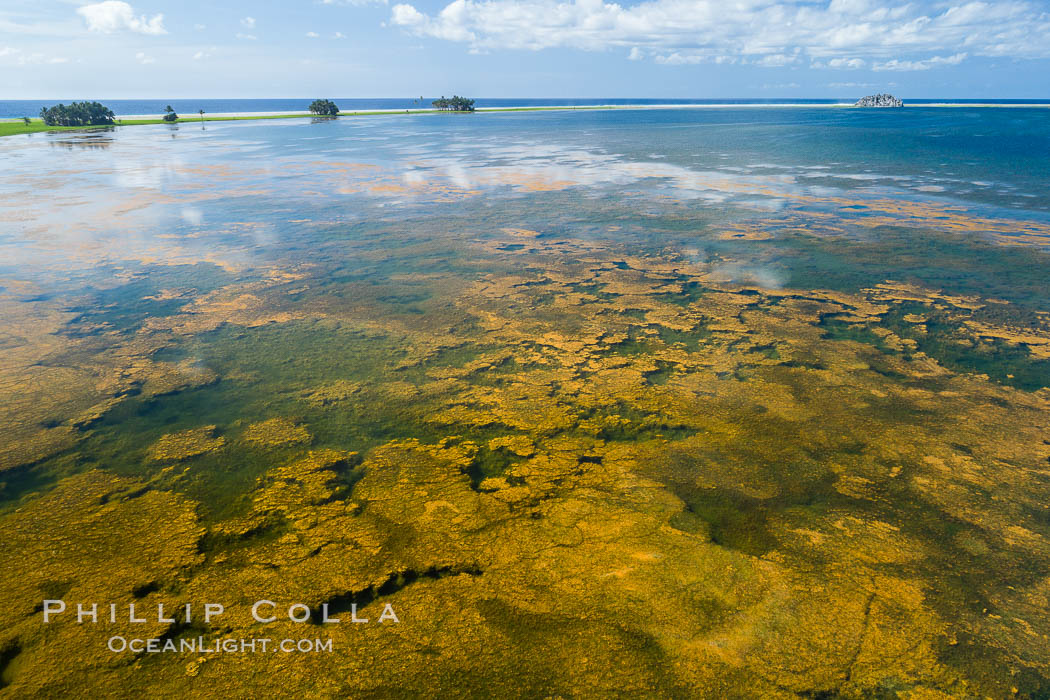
{"x":718,"y":401}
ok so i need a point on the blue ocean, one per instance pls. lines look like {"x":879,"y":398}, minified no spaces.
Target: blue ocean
{"x":14,"y":109}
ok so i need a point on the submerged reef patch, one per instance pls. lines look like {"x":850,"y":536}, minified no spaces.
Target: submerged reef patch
{"x":274,"y":432}
{"x":185,"y":444}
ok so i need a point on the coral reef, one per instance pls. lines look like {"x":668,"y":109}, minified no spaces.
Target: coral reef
{"x":185,"y":444}
{"x":275,"y":432}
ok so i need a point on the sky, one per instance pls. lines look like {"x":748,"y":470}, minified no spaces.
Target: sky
{"x":76,"y":49}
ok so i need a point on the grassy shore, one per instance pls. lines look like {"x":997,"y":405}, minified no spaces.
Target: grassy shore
{"x":35,"y":125}
{"x":11,"y":128}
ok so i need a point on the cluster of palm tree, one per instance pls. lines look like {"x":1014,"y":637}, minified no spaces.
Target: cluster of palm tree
{"x":77,"y":114}
{"x":324,"y":108}
{"x":454,"y":104}
{"x":170,"y":115}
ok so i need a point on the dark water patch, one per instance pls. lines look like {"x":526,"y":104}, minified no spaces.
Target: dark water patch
{"x":347,"y":474}
{"x":54,"y":590}
{"x":735,"y":487}
{"x":125,"y":306}
{"x":620,"y":421}
{"x":945,"y":337}
{"x":37,"y":477}
{"x":690,"y":293}
{"x":731,"y":520}
{"x":967,"y":569}
{"x":271,"y":529}
{"x":8,"y":656}
{"x":269,"y":371}
{"x":769,"y":351}
{"x":957,"y":264}
{"x":634,"y":345}
{"x":692,"y":339}
{"x":489,"y":463}
{"x":356,"y":601}
{"x":145,"y":589}
{"x":637,"y":314}
{"x":837,"y":329}
{"x":948,"y":340}
{"x":972,"y":655}
{"x":804,"y":360}
{"x":279,"y":360}
{"x":456,"y":357}
{"x":593,"y":289}
{"x":661,"y":375}
{"x":526,"y":673}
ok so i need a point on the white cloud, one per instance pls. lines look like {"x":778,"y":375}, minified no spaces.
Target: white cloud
{"x":32,"y":59}
{"x":339,"y":35}
{"x":192,"y":216}
{"x":408,"y":16}
{"x":679,"y":59}
{"x":200,"y":27}
{"x":845,"y":34}
{"x":689,"y":58}
{"x":841,"y":63}
{"x":920,"y":65}
{"x":248,"y":23}
{"x":249,"y":37}
{"x":144,"y":59}
{"x":775,"y":60}
{"x":312,"y":35}
{"x":747,"y":274}
{"x":636,"y":54}
{"x":114,"y":16}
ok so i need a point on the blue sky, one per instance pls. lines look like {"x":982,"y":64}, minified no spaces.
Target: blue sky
{"x":526,"y":48}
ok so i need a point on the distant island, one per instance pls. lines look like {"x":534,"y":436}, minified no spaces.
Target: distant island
{"x":880,"y":100}
{"x":454,"y":104}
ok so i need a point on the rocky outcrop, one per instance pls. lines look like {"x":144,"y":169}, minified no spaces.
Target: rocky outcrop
{"x":881,"y":100}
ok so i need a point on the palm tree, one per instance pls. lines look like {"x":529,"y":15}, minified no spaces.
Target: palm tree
{"x":201,"y":112}
{"x":324,"y":108}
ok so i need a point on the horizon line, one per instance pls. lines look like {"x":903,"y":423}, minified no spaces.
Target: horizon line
{"x":517,"y":97}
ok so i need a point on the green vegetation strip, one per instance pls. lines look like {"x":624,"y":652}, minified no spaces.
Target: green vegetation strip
{"x":11,"y":128}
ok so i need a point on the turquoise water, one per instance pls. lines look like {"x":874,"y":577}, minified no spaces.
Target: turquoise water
{"x":15,"y":109}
